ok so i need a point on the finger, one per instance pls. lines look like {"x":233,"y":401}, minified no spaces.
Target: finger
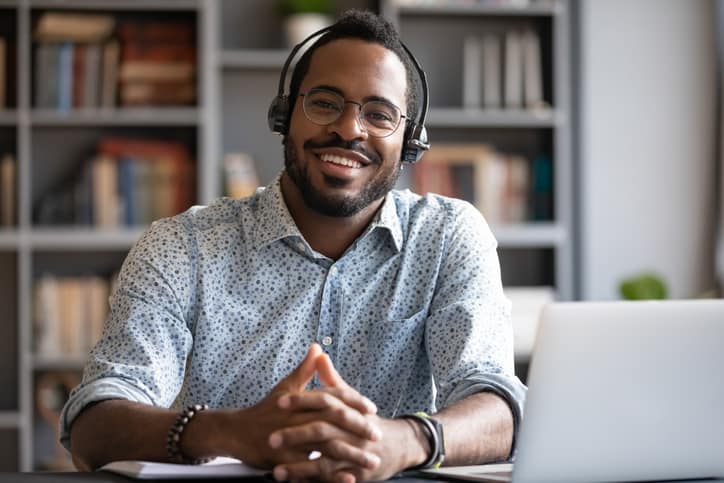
{"x":334,"y":410}
{"x":322,"y":469}
{"x":328,"y":374}
{"x":353,"y":398}
{"x":327,"y":439}
{"x":304,"y":372}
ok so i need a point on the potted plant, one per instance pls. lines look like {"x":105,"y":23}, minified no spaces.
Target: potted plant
{"x":303,"y":17}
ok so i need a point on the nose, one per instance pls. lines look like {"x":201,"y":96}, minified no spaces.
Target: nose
{"x":348,"y":125}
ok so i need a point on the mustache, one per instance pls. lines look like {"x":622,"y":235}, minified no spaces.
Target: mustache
{"x":338,"y":142}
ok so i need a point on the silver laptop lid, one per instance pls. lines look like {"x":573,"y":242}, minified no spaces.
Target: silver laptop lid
{"x":623,"y":391}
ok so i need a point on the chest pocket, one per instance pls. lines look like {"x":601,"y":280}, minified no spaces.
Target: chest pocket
{"x":393,"y":349}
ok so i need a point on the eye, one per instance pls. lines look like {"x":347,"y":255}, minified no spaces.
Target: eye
{"x":325,"y":104}
{"x":378,"y":116}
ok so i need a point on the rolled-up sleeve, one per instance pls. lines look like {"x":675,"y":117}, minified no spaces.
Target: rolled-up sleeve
{"x":469,"y":333}
{"x":146,"y":339}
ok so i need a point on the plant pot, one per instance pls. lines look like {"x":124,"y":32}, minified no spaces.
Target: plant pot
{"x":299,"y":26}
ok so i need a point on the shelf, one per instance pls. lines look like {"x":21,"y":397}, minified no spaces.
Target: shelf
{"x":41,"y":363}
{"x":8,"y":117}
{"x":253,"y":59}
{"x":9,"y":238}
{"x":458,"y":117}
{"x":545,"y":9}
{"x":10,"y":419}
{"x":146,"y":5}
{"x":83,"y":238}
{"x":530,"y":235}
{"x":171,"y":116}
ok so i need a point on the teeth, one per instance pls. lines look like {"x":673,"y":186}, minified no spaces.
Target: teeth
{"x":330,"y":158}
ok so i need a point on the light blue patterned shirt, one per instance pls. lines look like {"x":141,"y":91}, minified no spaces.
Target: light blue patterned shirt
{"x":219,"y":303}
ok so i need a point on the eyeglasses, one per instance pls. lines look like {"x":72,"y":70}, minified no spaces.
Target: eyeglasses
{"x":378,"y":118}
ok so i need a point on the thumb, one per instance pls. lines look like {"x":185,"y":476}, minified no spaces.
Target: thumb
{"x":304,"y":372}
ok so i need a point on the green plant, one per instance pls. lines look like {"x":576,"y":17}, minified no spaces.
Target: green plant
{"x":291,"y":7}
{"x":645,"y":286}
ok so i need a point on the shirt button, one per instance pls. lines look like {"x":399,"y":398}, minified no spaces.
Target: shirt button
{"x":300,"y":245}
{"x":326,"y":341}
{"x":333,"y":270}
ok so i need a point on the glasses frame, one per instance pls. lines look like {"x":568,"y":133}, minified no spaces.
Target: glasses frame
{"x":362,"y":123}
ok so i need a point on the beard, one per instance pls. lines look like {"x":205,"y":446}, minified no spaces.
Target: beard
{"x":336,"y":204}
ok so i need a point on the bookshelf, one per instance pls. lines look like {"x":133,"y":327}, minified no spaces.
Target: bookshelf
{"x":48,"y":145}
{"x":236,"y":77}
{"x":536,"y":252}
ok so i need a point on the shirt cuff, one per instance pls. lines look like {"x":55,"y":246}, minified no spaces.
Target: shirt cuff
{"x":508,"y":387}
{"x":95,"y":391}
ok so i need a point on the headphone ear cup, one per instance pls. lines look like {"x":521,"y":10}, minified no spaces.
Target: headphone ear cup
{"x":278,"y":115}
{"x":414,"y":143}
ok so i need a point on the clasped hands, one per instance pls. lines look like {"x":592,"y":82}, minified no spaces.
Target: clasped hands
{"x":291,"y":423}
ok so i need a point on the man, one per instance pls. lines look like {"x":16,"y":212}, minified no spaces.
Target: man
{"x":218,"y":305}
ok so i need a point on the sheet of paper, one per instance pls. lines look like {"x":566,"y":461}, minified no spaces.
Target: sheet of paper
{"x":484,"y":473}
{"x":217,"y":468}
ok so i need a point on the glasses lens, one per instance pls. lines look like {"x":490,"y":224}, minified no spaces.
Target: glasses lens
{"x":380,"y":118}
{"x":323,"y":107}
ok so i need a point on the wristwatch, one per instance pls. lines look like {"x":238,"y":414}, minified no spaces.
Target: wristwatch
{"x":433,"y":431}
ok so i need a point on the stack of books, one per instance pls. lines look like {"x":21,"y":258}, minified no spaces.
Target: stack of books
{"x":158,"y":63}
{"x":506,"y":188}
{"x":76,"y":61}
{"x":128,"y":182}
{"x":69,"y":315}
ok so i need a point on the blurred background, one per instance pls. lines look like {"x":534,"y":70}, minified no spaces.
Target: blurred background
{"x":588,"y":133}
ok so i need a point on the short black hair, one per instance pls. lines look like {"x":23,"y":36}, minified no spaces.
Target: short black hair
{"x":370,"y":27}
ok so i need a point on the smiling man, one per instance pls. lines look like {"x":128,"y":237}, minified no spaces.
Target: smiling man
{"x":327,"y":313}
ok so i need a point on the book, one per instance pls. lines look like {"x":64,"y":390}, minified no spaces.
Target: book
{"x":3,"y":72}
{"x":65,"y":77}
{"x":513,"y":70}
{"x":91,"y":76}
{"x":8,"y":195}
{"x":492,"y":72}
{"x":516,"y":197}
{"x":162,"y":93}
{"x":72,"y":317}
{"x":46,"y":317}
{"x":109,"y":74}
{"x":106,"y":200}
{"x":77,"y":79}
{"x":542,"y":188}
{"x":96,"y":309}
{"x":472,"y":72}
{"x":156,"y":71}
{"x":73,"y":27}
{"x":217,"y":468}
{"x":47,"y":57}
{"x":532,"y":71}
{"x":152,"y":31}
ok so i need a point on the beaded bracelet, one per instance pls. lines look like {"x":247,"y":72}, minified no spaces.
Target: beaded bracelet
{"x":173,"y":438}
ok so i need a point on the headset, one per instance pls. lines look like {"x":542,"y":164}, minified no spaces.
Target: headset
{"x":415,"y":138}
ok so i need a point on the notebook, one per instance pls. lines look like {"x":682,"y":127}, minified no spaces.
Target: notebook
{"x":621,"y":391}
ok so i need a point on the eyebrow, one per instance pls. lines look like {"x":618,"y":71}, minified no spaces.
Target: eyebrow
{"x":339,"y":91}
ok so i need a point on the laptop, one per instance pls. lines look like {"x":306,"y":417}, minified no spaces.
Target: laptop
{"x":620,"y":391}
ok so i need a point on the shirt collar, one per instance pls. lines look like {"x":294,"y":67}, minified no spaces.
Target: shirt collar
{"x":387,"y":218}
{"x":276,"y":223}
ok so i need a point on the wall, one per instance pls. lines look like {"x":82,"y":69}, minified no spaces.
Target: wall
{"x":647,"y":146}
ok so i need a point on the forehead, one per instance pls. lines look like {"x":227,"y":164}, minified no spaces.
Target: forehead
{"x":359,"y":69}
